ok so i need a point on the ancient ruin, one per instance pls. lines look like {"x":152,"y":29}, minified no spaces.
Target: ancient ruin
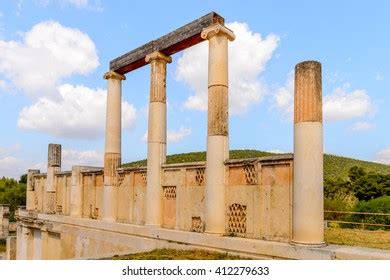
{"x":270,"y":207}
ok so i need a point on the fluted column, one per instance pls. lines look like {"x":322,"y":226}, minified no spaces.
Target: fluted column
{"x":112,"y":155}
{"x":53,"y":166}
{"x":157,"y":136}
{"x":308,"y":200}
{"x":217,"y":131}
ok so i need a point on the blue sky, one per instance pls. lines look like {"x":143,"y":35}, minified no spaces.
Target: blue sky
{"x":53,"y":54}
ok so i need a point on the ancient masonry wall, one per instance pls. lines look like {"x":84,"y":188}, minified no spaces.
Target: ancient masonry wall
{"x":4,"y":221}
{"x":258,"y":204}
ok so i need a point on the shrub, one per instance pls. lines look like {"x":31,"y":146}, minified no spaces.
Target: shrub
{"x":377,"y":205}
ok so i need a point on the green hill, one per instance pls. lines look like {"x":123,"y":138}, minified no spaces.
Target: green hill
{"x":334,"y":166}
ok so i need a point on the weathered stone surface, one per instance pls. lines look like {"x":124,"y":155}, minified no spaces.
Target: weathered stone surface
{"x":169,"y":44}
{"x":113,"y":75}
{"x":308,"y":92}
{"x":217,"y":29}
{"x":54,"y":155}
{"x":308,"y":213}
{"x":157,"y":138}
{"x":111,"y":162}
{"x":158,"y":63}
{"x":11,"y":248}
{"x":4,"y":220}
{"x":218,"y":111}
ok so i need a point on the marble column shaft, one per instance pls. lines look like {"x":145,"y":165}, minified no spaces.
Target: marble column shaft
{"x":308,"y":199}
{"x":217,"y":127}
{"x":112,"y":155}
{"x":157,"y":136}
{"x":53,"y":166}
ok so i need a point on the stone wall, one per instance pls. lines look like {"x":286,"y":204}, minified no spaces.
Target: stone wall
{"x":257,"y":204}
{"x":4,"y":221}
{"x":258,"y":196}
{"x":45,"y":236}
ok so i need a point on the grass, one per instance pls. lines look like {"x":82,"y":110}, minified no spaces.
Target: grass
{"x":334,"y":166}
{"x":356,"y":237}
{"x":352,"y":237}
{"x":201,"y":156}
{"x":2,"y":245}
{"x":170,"y":254}
{"x":337,"y":166}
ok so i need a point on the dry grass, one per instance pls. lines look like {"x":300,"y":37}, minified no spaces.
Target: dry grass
{"x":379,"y":239}
{"x":170,"y":254}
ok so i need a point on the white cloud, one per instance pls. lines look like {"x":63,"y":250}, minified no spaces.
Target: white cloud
{"x":248,"y":56}
{"x":177,"y":136}
{"x":10,"y":150}
{"x":379,"y":76}
{"x":343,"y":105}
{"x":47,"y":53}
{"x":173,"y":136}
{"x":4,"y":86}
{"x":78,"y":3}
{"x":13,"y":166}
{"x":383,"y":156}
{"x":359,"y":126}
{"x":284,"y":98}
{"x":340,"y":104}
{"x":72,"y":157}
{"x":10,"y":167}
{"x":80,"y":112}
{"x":276,"y":151}
{"x":2,"y":29}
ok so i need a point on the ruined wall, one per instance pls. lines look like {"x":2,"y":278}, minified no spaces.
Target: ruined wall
{"x":4,"y":221}
{"x":62,"y":186}
{"x":36,"y":196}
{"x":92,"y":198}
{"x":257,"y":205}
{"x":258,"y":196}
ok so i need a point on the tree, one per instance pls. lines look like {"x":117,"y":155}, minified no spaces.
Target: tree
{"x":12,"y":193}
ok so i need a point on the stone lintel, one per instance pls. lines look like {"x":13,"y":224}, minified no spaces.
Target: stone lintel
{"x":215,"y":29}
{"x":114,"y":75}
{"x":169,"y":44}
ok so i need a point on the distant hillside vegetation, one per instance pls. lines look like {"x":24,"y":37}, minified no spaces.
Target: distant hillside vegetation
{"x":334,"y":166}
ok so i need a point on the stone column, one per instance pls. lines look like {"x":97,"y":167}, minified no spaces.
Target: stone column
{"x":308,"y":200}
{"x":217,"y":127}
{"x":30,"y":195}
{"x":53,"y":166}
{"x":4,"y":220}
{"x":112,"y":155}
{"x":157,"y":137}
{"x":23,"y":242}
{"x":37,"y":244}
{"x":11,"y":249}
{"x":45,"y":243}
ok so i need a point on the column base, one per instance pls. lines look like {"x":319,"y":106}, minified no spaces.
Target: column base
{"x":313,"y":245}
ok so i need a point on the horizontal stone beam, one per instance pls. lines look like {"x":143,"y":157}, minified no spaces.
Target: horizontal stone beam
{"x":173,"y":42}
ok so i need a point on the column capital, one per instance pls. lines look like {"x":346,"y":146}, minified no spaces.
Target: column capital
{"x":215,"y":29}
{"x":157,"y":56}
{"x":114,"y":75}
